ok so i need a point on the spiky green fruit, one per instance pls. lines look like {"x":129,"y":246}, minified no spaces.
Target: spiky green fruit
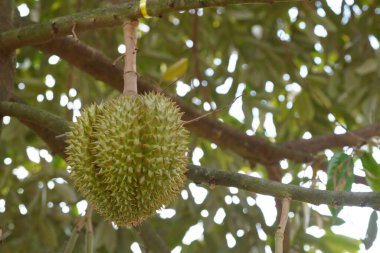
{"x":128,"y":156}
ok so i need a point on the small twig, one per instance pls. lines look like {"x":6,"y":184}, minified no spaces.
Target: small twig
{"x":195,"y":56}
{"x":212,"y":112}
{"x":61,"y":136}
{"x":350,"y":133}
{"x":82,"y":221}
{"x":194,"y":49}
{"x":72,"y":241}
{"x":118,"y":59}
{"x":170,"y":84}
{"x":192,"y":86}
{"x":279,"y":237}
{"x":73,"y":32}
{"x":89,"y":230}
{"x":74,"y":235}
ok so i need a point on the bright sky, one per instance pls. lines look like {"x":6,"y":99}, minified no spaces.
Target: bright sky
{"x":356,"y":218}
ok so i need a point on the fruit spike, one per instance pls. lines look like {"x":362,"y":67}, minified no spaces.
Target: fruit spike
{"x":128,"y":156}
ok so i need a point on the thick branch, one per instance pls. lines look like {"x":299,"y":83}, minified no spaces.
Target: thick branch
{"x":35,"y":118}
{"x":50,"y":137}
{"x":56,"y":145}
{"x":7,"y":63}
{"x":215,"y":177}
{"x":106,"y":17}
{"x":351,"y":139}
{"x":275,"y":189}
{"x":40,"y":117}
{"x":100,"y":67}
{"x":253,"y":148}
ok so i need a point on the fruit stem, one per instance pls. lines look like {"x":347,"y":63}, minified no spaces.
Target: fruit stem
{"x":279,"y":236}
{"x":89,"y":231}
{"x":130,"y":74}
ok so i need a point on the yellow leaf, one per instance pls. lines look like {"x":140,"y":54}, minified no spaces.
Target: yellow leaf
{"x":176,"y":70}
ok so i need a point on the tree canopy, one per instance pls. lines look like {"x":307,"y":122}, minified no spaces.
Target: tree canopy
{"x":281,"y":98}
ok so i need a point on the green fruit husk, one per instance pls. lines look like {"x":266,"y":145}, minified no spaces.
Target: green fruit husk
{"x":128,"y":156}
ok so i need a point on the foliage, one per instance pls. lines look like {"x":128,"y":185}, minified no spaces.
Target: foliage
{"x":303,"y":70}
{"x":340,"y":175}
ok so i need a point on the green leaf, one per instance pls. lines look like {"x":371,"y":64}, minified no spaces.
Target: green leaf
{"x":338,"y":243}
{"x":318,"y":80}
{"x":325,"y":21}
{"x":320,"y":97}
{"x":371,"y":231}
{"x":304,"y":106}
{"x":67,"y":192}
{"x":372,"y":171}
{"x":340,"y":175}
{"x":110,"y":238}
{"x":105,"y":236}
{"x":176,"y":70}
{"x":370,"y":165}
{"x":340,"y":172}
{"x":369,"y":66}
{"x":58,"y":162}
{"x":48,"y":235}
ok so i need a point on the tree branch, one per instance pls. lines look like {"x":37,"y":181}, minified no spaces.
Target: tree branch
{"x":7,"y":64}
{"x":252,"y":148}
{"x":34,"y":115}
{"x":215,"y":177}
{"x":106,"y":17}
{"x":262,"y":186}
{"x":351,"y":139}
{"x":100,"y":67}
{"x":151,"y":239}
{"x":56,"y":145}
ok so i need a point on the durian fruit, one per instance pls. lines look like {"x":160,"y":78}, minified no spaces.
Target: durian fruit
{"x":128,"y":156}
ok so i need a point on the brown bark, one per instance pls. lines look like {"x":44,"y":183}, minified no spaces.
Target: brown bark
{"x":7,"y":64}
{"x":130,"y":72}
{"x":100,"y":67}
{"x":106,"y":17}
{"x":6,"y":56}
{"x":318,"y":143}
